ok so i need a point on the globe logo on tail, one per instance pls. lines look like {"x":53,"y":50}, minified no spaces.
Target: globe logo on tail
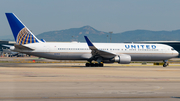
{"x":25,"y":37}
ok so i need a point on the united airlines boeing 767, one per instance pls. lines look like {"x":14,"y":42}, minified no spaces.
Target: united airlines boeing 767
{"x":123,"y":53}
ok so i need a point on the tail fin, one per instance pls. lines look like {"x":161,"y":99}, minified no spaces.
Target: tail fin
{"x":22,"y":34}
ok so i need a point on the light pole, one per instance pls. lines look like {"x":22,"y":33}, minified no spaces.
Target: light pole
{"x":72,"y":38}
{"x":110,"y":36}
{"x":107,"y":38}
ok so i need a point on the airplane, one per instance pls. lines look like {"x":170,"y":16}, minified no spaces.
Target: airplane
{"x":123,"y":53}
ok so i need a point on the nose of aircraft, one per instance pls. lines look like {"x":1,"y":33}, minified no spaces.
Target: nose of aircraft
{"x":175,"y":53}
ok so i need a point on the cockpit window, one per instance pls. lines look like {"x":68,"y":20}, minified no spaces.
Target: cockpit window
{"x":172,"y":49}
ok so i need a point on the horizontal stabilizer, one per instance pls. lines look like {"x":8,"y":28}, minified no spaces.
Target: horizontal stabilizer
{"x":7,"y":46}
{"x":21,"y":47}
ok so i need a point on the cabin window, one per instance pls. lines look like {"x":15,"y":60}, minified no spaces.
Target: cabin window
{"x":172,"y":49}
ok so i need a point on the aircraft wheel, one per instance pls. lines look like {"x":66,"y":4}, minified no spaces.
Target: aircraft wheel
{"x":165,"y":64}
{"x":101,"y":65}
{"x":92,"y":64}
{"x":87,"y":64}
{"x":96,"y":64}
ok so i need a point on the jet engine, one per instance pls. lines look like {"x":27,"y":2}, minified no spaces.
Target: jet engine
{"x":122,"y":59}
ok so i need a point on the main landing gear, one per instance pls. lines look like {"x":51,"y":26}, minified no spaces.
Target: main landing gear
{"x":90,"y":64}
{"x":165,"y":63}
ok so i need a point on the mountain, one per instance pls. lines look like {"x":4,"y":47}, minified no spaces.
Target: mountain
{"x":77,"y":34}
{"x":73,"y":34}
{"x":146,"y":35}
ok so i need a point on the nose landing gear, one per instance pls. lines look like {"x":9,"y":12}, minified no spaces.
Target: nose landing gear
{"x":165,"y":63}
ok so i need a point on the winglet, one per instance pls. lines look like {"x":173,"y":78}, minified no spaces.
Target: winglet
{"x":90,"y":44}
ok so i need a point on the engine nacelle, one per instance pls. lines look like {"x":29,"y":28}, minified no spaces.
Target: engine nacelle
{"x":122,"y":59}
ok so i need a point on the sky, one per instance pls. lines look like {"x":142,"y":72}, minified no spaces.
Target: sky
{"x":104,"y":15}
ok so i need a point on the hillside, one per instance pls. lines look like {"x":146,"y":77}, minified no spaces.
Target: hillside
{"x":77,"y":34}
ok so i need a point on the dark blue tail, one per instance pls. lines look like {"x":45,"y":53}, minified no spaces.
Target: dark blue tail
{"x":22,"y":34}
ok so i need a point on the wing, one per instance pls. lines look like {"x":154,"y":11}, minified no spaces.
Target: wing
{"x":18,"y":48}
{"x":97,"y":52}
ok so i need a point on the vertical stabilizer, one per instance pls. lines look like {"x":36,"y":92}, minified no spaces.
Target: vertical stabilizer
{"x":22,"y":34}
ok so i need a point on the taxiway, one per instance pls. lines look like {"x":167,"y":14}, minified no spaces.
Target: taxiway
{"x":73,"y":81}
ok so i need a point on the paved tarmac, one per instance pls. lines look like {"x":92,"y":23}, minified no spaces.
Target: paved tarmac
{"x":74,"y":82}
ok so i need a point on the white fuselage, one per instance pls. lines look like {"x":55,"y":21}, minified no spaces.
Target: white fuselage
{"x":81,"y":51}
